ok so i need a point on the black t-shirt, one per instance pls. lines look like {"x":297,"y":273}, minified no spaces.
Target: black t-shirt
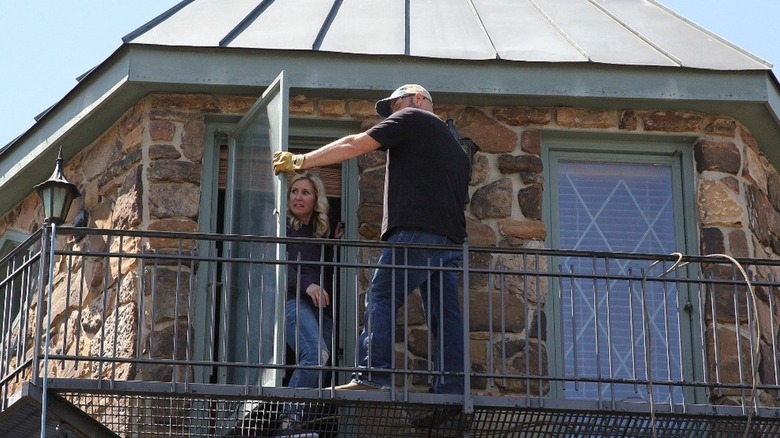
{"x":427,"y":174}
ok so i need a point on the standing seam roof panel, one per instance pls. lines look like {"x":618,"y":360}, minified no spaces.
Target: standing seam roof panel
{"x":603,"y":39}
{"x":617,"y":32}
{"x":347,"y":34}
{"x":201,"y":23}
{"x":447,"y":29}
{"x":521,"y":33}
{"x":286,"y":24}
{"x":696,"y":47}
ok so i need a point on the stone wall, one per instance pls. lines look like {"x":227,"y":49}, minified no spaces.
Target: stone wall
{"x":738,"y":208}
{"x":144,"y":173}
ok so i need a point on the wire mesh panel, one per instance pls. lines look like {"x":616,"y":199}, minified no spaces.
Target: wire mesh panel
{"x":194,"y":417}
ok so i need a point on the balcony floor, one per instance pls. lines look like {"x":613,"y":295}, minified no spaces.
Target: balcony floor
{"x":218,"y":410}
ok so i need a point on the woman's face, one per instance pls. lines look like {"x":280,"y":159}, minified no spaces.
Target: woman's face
{"x":302,"y":200}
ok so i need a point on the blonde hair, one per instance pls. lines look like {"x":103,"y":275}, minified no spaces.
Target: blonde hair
{"x":320,"y":220}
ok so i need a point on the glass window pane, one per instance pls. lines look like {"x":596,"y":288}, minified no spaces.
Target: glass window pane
{"x":610,"y":325}
{"x":251,"y":311}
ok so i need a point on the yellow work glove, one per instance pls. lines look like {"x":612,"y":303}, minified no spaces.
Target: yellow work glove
{"x":287,"y":162}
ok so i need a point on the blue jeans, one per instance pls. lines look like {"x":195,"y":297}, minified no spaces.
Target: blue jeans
{"x":312,"y":346}
{"x":387,"y":293}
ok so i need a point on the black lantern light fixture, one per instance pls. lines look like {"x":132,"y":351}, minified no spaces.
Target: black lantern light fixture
{"x":469,"y":147}
{"x":57,"y":193}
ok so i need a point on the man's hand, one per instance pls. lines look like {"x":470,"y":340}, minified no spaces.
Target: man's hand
{"x":287,"y":162}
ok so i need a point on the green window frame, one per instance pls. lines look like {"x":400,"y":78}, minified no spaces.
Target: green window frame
{"x":13,"y":287}
{"x":299,"y":134}
{"x":619,"y":194}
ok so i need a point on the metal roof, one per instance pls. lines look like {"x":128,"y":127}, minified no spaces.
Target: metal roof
{"x":618,"y":32}
{"x":607,"y":54}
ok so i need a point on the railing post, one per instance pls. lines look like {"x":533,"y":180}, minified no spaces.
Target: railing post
{"x":47,"y":287}
{"x":468,"y":401}
{"x":38,"y":327}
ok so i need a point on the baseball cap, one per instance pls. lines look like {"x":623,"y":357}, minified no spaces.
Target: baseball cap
{"x":383,"y":106}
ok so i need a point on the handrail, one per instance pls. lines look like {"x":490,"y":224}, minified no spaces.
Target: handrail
{"x":527,"y":317}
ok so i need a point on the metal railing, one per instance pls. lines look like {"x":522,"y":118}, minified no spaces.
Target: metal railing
{"x":156,"y":316}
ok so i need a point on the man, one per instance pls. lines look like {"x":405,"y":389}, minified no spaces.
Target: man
{"x":426,"y":182}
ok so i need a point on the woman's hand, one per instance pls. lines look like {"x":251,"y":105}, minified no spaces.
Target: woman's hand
{"x":319,"y":296}
{"x":338,"y":233}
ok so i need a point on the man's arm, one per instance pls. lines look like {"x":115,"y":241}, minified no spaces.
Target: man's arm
{"x":340,"y":150}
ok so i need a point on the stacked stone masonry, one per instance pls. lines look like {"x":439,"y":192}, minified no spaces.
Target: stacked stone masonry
{"x":145,"y":173}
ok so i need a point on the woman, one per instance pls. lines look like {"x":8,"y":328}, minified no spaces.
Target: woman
{"x":309,"y":322}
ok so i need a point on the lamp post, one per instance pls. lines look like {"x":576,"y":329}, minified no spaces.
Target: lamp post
{"x":57,"y":193}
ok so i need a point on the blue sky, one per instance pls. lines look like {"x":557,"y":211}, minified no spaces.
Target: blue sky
{"x":46,"y":45}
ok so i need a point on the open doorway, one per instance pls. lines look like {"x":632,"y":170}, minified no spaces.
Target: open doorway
{"x":331,"y":177}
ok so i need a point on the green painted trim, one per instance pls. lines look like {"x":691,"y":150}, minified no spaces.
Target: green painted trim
{"x":674,"y":151}
{"x":17,"y":237}
{"x":313,"y":133}
{"x":750,"y":96}
{"x":215,"y":135}
{"x":349,"y":303}
{"x":303,"y":132}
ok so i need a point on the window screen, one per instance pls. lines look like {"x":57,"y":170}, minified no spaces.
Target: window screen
{"x":609,"y":325}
